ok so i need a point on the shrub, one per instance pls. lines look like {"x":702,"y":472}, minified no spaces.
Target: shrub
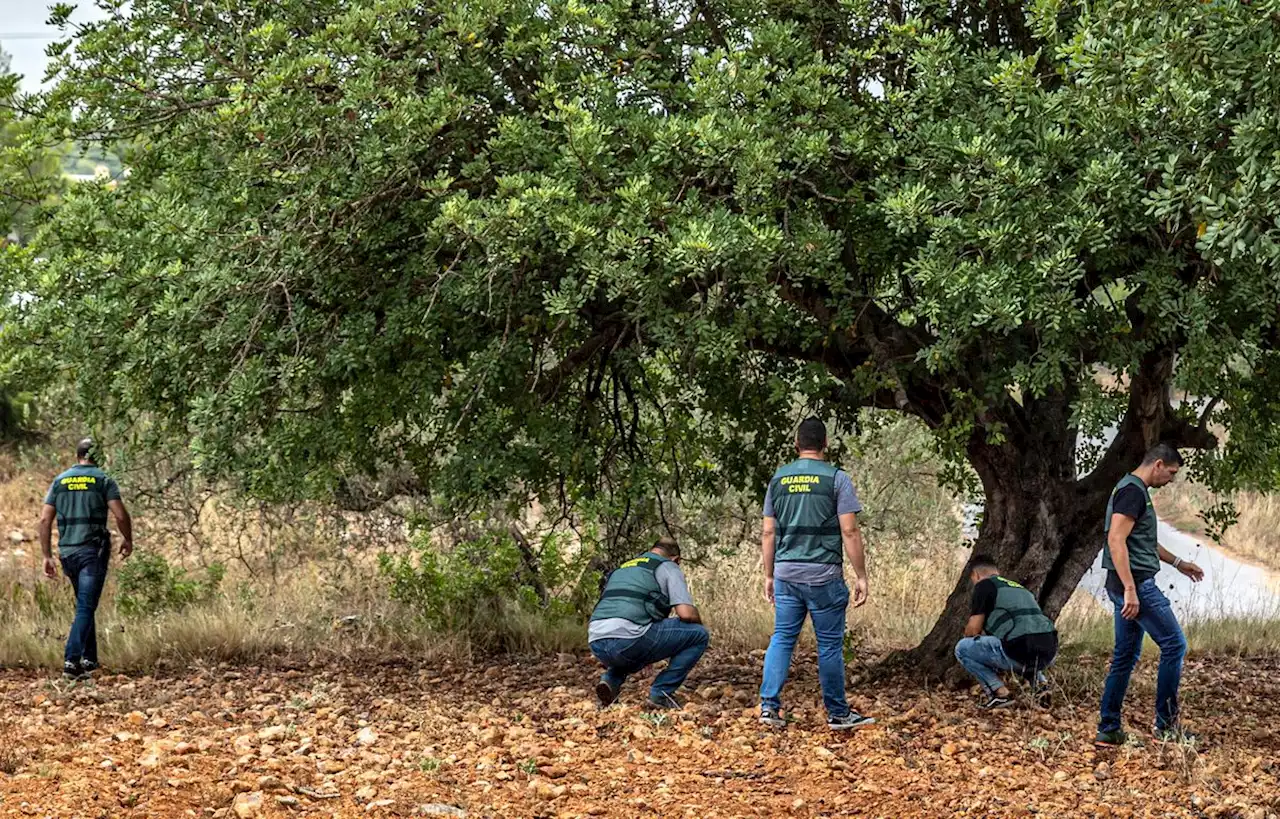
{"x":487,"y":589}
{"x":149,"y":585}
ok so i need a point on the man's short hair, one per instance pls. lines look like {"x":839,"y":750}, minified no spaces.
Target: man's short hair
{"x":668,"y":545}
{"x":1162,"y":452}
{"x":983,"y":562}
{"x":812,"y":434}
{"x":87,"y":450}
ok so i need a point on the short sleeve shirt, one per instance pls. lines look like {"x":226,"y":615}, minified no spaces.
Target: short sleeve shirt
{"x":983,"y":600}
{"x":815,"y":574}
{"x":673,"y":584}
{"x":80,"y":496}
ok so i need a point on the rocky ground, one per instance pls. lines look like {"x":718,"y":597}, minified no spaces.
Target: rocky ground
{"x":523,"y":738}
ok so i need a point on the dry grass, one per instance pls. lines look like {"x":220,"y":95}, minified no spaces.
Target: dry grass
{"x":1255,"y":537}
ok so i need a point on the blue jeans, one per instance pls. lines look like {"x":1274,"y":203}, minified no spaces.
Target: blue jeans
{"x":826,"y":604}
{"x":984,"y":658}
{"x":87,"y":569}
{"x":683,"y":642}
{"x":1155,"y":617}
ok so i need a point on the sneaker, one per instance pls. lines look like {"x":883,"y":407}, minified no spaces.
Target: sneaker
{"x":662,"y":702}
{"x":1177,"y":734}
{"x":1110,"y":739}
{"x":87,"y":667}
{"x":73,"y":671}
{"x":997,"y":702}
{"x":849,"y":721}
{"x":772,"y":718}
{"x":606,"y":694}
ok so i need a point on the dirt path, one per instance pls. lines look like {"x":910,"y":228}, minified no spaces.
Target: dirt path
{"x":523,"y":739}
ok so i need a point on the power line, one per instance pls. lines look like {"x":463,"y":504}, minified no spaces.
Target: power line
{"x":28,"y":35}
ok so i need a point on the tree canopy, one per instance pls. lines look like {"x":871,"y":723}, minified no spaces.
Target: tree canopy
{"x":544,"y":244}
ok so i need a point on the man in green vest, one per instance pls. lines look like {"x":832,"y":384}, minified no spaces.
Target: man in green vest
{"x":1132,"y":559}
{"x":1006,"y":631}
{"x":80,"y":499}
{"x":630,"y":627}
{"x":810,"y":519}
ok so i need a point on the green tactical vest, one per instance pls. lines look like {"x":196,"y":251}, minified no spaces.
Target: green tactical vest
{"x":1016,"y":613}
{"x":1144,"y":554}
{"x":804,"y":504}
{"x":633,"y":593}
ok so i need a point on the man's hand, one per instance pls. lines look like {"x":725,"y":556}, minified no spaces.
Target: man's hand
{"x":860,"y":591}
{"x":1191,"y":570}
{"x":768,"y":590}
{"x":126,"y":548}
{"x":50,"y":568}
{"x":1129,"y":610}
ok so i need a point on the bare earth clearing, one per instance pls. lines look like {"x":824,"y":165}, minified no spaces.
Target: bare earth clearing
{"x":523,"y":738}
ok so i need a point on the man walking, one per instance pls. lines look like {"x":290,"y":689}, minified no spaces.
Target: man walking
{"x":80,"y":499}
{"x":1132,"y":559}
{"x":1006,"y":631}
{"x":809,"y":516}
{"x":630,"y":627}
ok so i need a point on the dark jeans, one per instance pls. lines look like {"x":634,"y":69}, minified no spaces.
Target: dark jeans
{"x":683,"y":642}
{"x":1155,"y":617}
{"x":825,"y":605}
{"x":88,"y":572}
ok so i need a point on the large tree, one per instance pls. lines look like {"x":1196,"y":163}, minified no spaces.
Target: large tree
{"x":544,"y":244}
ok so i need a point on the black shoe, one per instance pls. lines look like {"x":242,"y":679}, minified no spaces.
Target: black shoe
{"x":772,"y":718}
{"x":1110,"y":739}
{"x":74,"y":671}
{"x":606,"y":694}
{"x":849,"y":721}
{"x":662,"y":702}
{"x":997,"y":702}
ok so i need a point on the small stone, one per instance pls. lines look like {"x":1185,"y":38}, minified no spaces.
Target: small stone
{"x":247,"y":805}
{"x":491,"y":736}
{"x":367,"y":793}
{"x":18,"y":536}
{"x":381,"y":803}
{"x":1061,"y":776}
{"x":136,"y":718}
{"x":440,"y":809}
{"x":158,"y":722}
{"x":287,"y":801}
{"x":367,"y":736}
{"x":270,"y":783}
{"x":1102,"y":772}
{"x":271,"y":732}
{"x":332,"y":766}
{"x":151,"y":760}
{"x":797,"y":805}
{"x":184,"y":748}
{"x":107,"y":765}
{"x":950,"y":749}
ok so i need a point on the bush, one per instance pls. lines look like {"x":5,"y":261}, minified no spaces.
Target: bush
{"x":488,"y":590}
{"x":149,"y":585}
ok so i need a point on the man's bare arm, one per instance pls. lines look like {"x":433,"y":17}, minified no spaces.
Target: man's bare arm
{"x":768,"y":543}
{"x":125,"y":524}
{"x":687,"y":613}
{"x":45,"y":529}
{"x":851,"y":536}
{"x":1117,"y":543}
{"x":975,"y":624}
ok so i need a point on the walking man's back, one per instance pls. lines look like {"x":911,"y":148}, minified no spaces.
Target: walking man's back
{"x":80,"y":499}
{"x":809,"y":520}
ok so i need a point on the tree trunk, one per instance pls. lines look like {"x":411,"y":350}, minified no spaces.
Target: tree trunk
{"x":1042,"y":522}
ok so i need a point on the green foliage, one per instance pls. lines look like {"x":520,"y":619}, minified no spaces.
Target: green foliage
{"x":603,"y":255}
{"x":483,"y":586}
{"x":148,"y":585}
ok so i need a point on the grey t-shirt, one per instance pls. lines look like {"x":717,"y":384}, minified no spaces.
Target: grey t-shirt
{"x":815,"y":574}
{"x":670,"y":580}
